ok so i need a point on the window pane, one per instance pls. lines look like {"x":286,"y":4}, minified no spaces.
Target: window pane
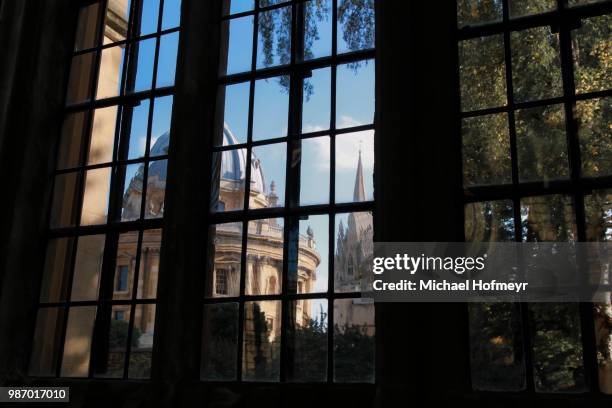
{"x":354,"y":331}
{"x":557,"y":347}
{"x":270,"y":113}
{"x":598,"y":206}
{"x":581,"y":2}
{"x":95,"y":199}
{"x":264,"y":257}
{"x":262,"y":341}
{"x":156,"y":189}
{"x":236,"y":46}
{"x":71,"y":140}
{"x":64,"y":207}
{"x":486,"y":150}
{"x":268,"y":164}
{"x":87,"y":267}
{"x":489,"y":221}
{"x":519,"y":8}
{"x":138,"y":129}
{"x":46,"y":342}
{"x":355,"y":25}
{"x":594,"y":132}
{"x":541,"y":143}
{"x":496,"y":349}
{"x":228,"y":174}
{"x":317,"y":101}
{"x":87,"y":27}
{"x":56,"y":275}
{"x":160,"y":128}
{"x":132,"y":191}
{"x":353,"y":250}
{"x":274,"y":38}
{"x":225,"y":252}
{"x":318,"y":22}
{"x":149,"y":16}
{"x":142,"y":341}
{"x":112,"y":364}
{"x":172,"y":14}
{"x":314,"y":170}
{"x":476,"y":12}
{"x":125,"y":265}
{"x":111,"y":69}
{"x":237,"y":6}
{"x":116,"y":22}
{"x":166,"y":67}
{"x":144,"y":66}
{"x":79,"y":82}
{"x":233,"y":120}
{"x":482,"y":73}
{"x":77,"y":346}
{"x":149,"y":264}
{"x":220,"y":342}
{"x":548,"y":219}
{"x":102,"y":135}
{"x":355,"y":104}
{"x":354,"y":180}
{"x":536,"y":67}
{"x":308,"y":340}
{"x":310,"y":273}
{"x":591,"y":49}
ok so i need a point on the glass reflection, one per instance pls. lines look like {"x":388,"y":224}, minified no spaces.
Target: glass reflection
{"x":355,"y":104}
{"x":225,"y":251}
{"x":228,"y":175}
{"x":264,"y":257}
{"x":548,"y":219}
{"x":354,"y":181}
{"x":354,"y":330}
{"x":220,"y":342}
{"x":489,"y":221}
{"x":354,"y":248}
{"x":262,"y":338}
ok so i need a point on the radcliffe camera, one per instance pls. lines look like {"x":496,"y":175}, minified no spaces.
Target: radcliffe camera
{"x":212,"y":203}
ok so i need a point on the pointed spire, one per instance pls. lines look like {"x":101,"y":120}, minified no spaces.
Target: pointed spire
{"x":359,"y":192}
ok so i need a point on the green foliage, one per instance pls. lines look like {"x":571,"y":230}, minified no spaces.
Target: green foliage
{"x":118,"y":335}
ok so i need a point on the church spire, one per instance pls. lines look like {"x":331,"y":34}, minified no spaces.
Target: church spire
{"x":359,"y":192}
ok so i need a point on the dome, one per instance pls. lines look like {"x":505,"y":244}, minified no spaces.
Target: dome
{"x":233,"y":164}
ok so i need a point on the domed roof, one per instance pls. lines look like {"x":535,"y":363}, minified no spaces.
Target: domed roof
{"x":233,"y":164}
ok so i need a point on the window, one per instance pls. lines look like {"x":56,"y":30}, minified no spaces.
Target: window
{"x":535,"y":91}
{"x":122,"y":278}
{"x":293,"y":157}
{"x":221,"y":282}
{"x":108,"y":194}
